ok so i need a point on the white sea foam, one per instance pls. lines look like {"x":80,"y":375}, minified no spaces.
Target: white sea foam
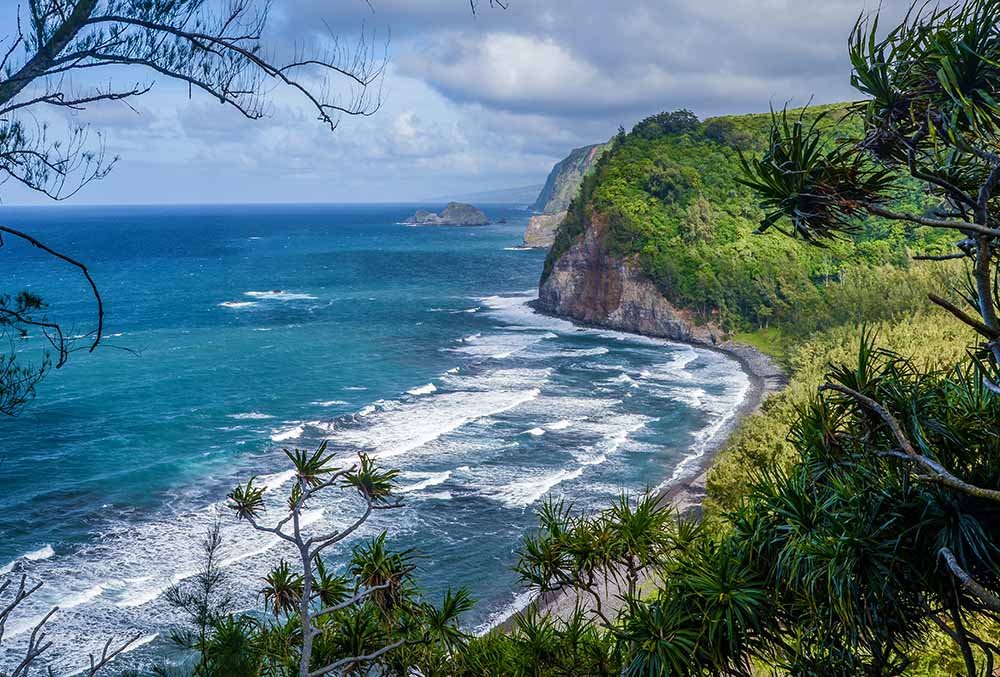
{"x":559,"y":425}
{"x":250,"y":416}
{"x":423,"y":390}
{"x":291,"y":433}
{"x":329,"y":403}
{"x":427,"y":479}
{"x":276,"y":480}
{"x":355,"y":388}
{"x":437,"y":496}
{"x":501,"y":345}
{"x":236,"y":305}
{"x":519,"y":603}
{"x":537,"y":432}
{"x":584,"y":352}
{"x":41,"y":553}
{"x":413,"y":425}
{"x":525,"y":492}
{"x":279,"y":295}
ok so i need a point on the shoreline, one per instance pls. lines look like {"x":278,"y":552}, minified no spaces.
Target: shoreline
{"x":686,"y":494}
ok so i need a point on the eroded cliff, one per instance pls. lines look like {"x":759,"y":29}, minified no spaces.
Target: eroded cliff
{"x":589,"y":284}
{"x":564,"y":180}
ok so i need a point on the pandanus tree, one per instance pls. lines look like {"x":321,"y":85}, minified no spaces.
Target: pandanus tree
{"x":372,"y":613}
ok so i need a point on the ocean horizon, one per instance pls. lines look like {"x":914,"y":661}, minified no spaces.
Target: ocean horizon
{"x":234,"y":331}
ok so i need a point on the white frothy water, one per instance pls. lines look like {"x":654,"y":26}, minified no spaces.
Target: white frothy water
{"x":43,"y":552}
{"x":429,"y":479}
{"x":279,"y":295}
{"x":423,"y":390}
{"x":516,"y":421}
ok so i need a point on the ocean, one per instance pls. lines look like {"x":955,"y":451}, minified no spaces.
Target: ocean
{"x":235,"y":331}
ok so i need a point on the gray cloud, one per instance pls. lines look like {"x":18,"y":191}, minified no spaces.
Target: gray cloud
{"x":474,"y":102}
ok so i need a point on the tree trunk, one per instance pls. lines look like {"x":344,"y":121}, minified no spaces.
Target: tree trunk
{"x":47,"y":53}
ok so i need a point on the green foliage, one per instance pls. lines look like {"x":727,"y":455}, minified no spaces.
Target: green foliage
{"x":819,"y":190}
{"x":616,"y":544}
{"x":20,"y":315}
{"x":697,"y":225}
{"x":657,"y":191}
{"x":931,"y":340}
{"x":662,"y":124}
{"x":541,"y":646}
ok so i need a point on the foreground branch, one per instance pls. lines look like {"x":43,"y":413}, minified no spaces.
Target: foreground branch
{"x":968,"y":582}
{"x":938,"y":472}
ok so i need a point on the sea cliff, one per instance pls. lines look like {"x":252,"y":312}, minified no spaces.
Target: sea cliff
{"x":541,"y":231}
{"x":564,"y":180}
{"x":589,"y":284}
{"x":560,"y":188}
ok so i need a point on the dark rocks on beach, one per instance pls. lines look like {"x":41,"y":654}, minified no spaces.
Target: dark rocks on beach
{"x":455,"y":214}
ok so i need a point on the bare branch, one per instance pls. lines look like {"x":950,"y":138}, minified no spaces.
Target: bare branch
{"x":937,"y":472}
{"x":356,"y":659}
{"x":989,"y":333}
{"x":350,"y":602}
{"x":968,"y":582}
{"x":73,"y":262}
{"x":964,"y":226}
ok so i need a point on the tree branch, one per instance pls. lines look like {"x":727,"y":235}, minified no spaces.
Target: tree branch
{"x":968,"y":582}
{"x":356,"y":659}
{"x":937,"y":472}
{"x":964,"y":226}
{"x":989,"y":333}
{"x":83,"y":268}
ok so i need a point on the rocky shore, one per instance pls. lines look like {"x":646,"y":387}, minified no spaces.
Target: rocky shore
{"x":541,"y":231}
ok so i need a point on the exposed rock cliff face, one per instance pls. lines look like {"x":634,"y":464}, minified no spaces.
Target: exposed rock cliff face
{"x":589,"y":284}
{"x":455,"y":214}
{"x":541,"y":230}
{"x":565,"y":178}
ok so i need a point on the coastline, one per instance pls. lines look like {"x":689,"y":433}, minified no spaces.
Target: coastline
{"x":685,"y":495}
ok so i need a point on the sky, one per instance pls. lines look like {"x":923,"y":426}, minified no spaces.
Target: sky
{"x":470,"y":102}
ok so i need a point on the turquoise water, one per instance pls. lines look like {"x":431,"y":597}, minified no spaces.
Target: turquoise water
{"x":234,"y":331}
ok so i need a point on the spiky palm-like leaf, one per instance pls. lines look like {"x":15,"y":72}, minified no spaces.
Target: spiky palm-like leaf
{"x":246,"y":500}
{"x":283,"y":589}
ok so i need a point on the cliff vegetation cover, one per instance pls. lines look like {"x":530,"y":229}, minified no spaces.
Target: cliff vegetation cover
{"x":669,"y":194}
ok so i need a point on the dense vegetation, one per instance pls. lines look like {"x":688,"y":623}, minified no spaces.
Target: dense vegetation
{"x":852,"y":524}
{"x":669,"y":194}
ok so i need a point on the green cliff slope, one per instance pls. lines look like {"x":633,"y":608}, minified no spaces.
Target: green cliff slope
{"x":669,"y":203}
{"x":564,"y":180}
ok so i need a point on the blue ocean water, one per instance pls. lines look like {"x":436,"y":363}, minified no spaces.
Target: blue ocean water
{"x":234,"y":331}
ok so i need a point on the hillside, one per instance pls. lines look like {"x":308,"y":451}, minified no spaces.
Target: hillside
{"x":560,"y":188}
{"x":661,"y":240}
{"x":565,"y":178}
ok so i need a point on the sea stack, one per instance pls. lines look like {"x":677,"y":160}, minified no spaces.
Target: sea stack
{"x":455,"y":214}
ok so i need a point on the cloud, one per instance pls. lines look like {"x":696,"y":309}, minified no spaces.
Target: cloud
{"x":588,"y":58}
{"x":475,"y":102}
